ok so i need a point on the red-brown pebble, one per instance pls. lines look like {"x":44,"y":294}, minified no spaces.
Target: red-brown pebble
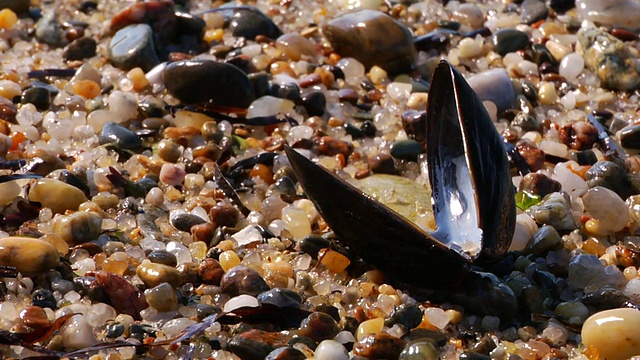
{"x":210,"y":272}
{"x":532,"y":154}
{"x":224,"y":214}
{"x":330,"y":147}
{"x":578,"y":135}
{"x":34,"y":317}
{"x":379,"y":346}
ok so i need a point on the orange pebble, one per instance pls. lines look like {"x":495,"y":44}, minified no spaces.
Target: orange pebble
{"x":333,"y":260}
{"x":86,"y":88}
{"x":16,"y":139}
{"x":263,"y":172}
{"x":8,"y":19}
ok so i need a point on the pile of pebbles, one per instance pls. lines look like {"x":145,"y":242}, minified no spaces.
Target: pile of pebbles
{"x":116,"y":117}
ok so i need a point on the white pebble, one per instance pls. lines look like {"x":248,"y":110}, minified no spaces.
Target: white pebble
{"x":571,"y":66}
{"x":176,"y":326}
{"x":331,"y":350}
{"x":77,"y":333}
{"x":469,"y":48}
{"x":353,"y":70}
{"x":99,"y":314}
{"x":437,"y":317}
{"x":399,"y":91}
{"x":268,"y":106}
{"x":247,"y":235}
{"x":123,"y":105}
{"x":172,"y":174}
{"x":525,"y":228}
{"x":607,"y":207}
{"x":240,"y":301}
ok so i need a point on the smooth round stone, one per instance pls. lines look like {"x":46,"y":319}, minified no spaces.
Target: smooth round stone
{"x":382,"y":164}
{"x":162,"y":298}
{"x":133,"y":47}
{"x":281,"y":297}
{"x":409,"y":315}
{"x":314,"y":103}
{"x":319,"y":326}
{"x":406,"y":149}
{"x":56,"y":195}
{"x":372,"y":38}
{"x":295,"y":46}
{"x":79,"y":49}
{"x":614,"y":333}
{"x":243,"y":280}
{"x":44,"y":298}
{"x":494,"y":85}
{"x":153,"y":274}
{"x":607,"y":207}
{"x":79,"y":227}
{"x":77,"y":333}
{"x":419,"y":350}
{"x":630,"y":137}
{"x":40,"y":97}
{"x":545,"y":239}
{"x":612,"y":176}
{"x":509,"y":40}
{"x":184,"y":221}
{"x":48,"y":30}
{"x":555,"y":211}
{"x":120,"y":136}
{"x":207,"y":81}
{"x":28,"y":255}
{"x":251,"y":23}
{"x":532,"y":11}
{"x":571,"y":66}
{"x":163,"y":257}
{"x":331,"y":350}
{"x":468,"y":14}
{"x":379,"y":346}
{"x":312,"y":244}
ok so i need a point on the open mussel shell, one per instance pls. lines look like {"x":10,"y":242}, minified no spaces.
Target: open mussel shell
{"x":473,"y":199}
{"x":468,"y":170}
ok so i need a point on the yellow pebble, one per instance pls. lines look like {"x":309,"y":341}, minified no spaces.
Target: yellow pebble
{"x":613,"y":333}
{"x":547,"y":93}
{"x":198,"y":250}
{"x":136,"y":75}
{"x":86,"y":88}
{"x":630,"y":272}
{"x":9,"y":89}
{"x":7,"y":19}
{"x":454,"y":316}
{"x":377,"y":75}
{"x":593,"y":246}
{"x":213,"y":35}
{"x":594,"y":227}
{"x":387,"y":290}
{"x":225,"y":245}
{"x":333,"y":260}
{"x":57,"y":242}
{"x":373,"y":326}
{"x":113,"y":266}
{"x":228,"y":260}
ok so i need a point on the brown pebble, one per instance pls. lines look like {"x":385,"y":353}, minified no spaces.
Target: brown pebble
{"x":539,"y":184}
{"x":203,"y":232}
{"x":579,"y":135}
{"x":382,"y":164}
{"x":624,"y":34}
{"x":532,"y":154}
{"x":348,"y":95}
{"x":319,"y":326}
{"x":243,"y":280}
{"x":34,"y":317}
{"x":379,"y":346}
{"x":210,"y":272}
{"x":329,"y":146}
{"x":8,"y":110}
{"x":224,"y":214}
{"x":310,"y":80}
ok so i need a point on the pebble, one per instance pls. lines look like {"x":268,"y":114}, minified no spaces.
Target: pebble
{"x":611,"y":176}
{"x":286,"y":353}
{"x":256,"y":344}
{"x":77,"y":333}
{"x":468,"y":14}
{"x":243,"y":280}
{"x":120,"y":137}
{"x":331,"y":350}
{"x":295,"y":46}
{"x":382,"y":163}
{"x":163,"y":298}
{"x":210,"y":271}
{"x":314,"y":103}
{"x":545,"y":239}
{"x":48,"y":29}
{"x":555,"y":211}
{"x":408,"y":315}
{"x":319,"y":326}
{"x":630,"y":137}
{"x":200,"y":81}
{"x":251,"y":23}
{"x":281,"y":297}
{"x":162,"y":257}
{"x":80,"y":49}
{"x":40,"y":97}
{"x":56,"y":195}
{"x":132,"y":47}
{"x":78,"y":228}
{"x":153,"y":274}
{"x":571,"y":66}
{"x":609,"y":58}
{"x":588,"y":270}
{"x":373,"y":38}
{"x":532,"y":11}
{"x":419,"y":350}
{"x":509,"y":40}
{"x":622,"y":13}
{"x":494,"y":85}
{"x":34,"y":317}
{"x":607,"y":207}
{"x":613,"y":333}
{"x":379,"y":346}
{"x":43,"y":298}
{"x":183,"y":221}
{"x":173,"y":174}
{"x":406,"y":150}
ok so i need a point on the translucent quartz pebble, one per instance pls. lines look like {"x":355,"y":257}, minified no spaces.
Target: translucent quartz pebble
{"x":494,"y":85}
{"x":174,"y":327}
{"x":269,"y":105}
{"x":607,"y":207}
{"x":247,"y":235}
{"x":614,"y":333}
{"x":99,"y":314}
{"x":8,"y":192}
{"x":77,"y":333}
{"x":297,"y":221}
{"x":571,"y":66}
{"x":239,"y":302}
{"x":331,"y":350}
{"x":623,"y":13}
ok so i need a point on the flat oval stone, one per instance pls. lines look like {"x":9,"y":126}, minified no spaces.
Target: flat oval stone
{"x":614,"y":333}
{"x":243,"y":280}
{"x":79,"y":227}
{"x":251,"y":23}
{"x":206,"y":81}
{"x":153,"y":274}
{"x":406,"y":149}
{"x":184,"y":221}
{"x":494,"y":85}
{"x":373,"y":38}
{"x":28,"y":255}
{"x":133,"y":47}
{"x":509,"y":40}
{"x":630,"y":137}
{"x":56,"y":195}
{"x":120,"y":136}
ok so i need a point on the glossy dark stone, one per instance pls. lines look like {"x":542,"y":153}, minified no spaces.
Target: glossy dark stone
{"x":314,"y":103}
{"x":408,"y":315}
{"x":281,"y":297}
{"x":184,"y":221}
{"x":612,"y":176}
{"x":509,"y":40}
{"x":251,"y":23}
{"x":319,"y":326}
{"x":373,"y":38}
{"x":38,"y":96}
{"x":132,"y":47}
{"x":406,"y":149}
{"x":382,"y":164}
{"x":205,"y":81}
{"x":630,"y":137}
{"x":312,"y":244}
{"x":532,"y":11}
{"x":243,"y":280}
{"x":163,"y":257}
{"x":369,"y":128}
{"x":286,"y":353}
{"x":120,"y":136}
{"x":44,"y":298}
{"x":79,"y":49}
{"x":562,"y":6}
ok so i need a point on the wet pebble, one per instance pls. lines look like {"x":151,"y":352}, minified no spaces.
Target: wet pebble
{"x":382,"y":163}
{"x":163,"y":257}
{"x":545,"y":239}
{"x":56,"y":195}
{"x":77,"y":333}
{"x":281,"y":297}
{"x":183,"y":221}
{"x":587,"y":270}
{"x":611,"y":176}
{"x":132,"y":47}
{"x":379,"y":346}
{"x":331,"y":350}
{"x":79,"y":49}
{"x":539,"y":184}
{"x":120,"y":136}
{"x":224,"y":214}
{"x":630,"y":137}
{"x":406,"y":150}
{"x":286,"y":353}
{"x":256,"y":344}
{"x":373,"y":38}
{"x":200,"y":81}
{"x":408,"y":315}
{"x":30,"y":256}
{"x":210,"y":271}
{"x":468,"y":14}
{"x":532,"y":11}
{"x":79,"y":227}
{"x":162,"y":297}
{"x":251,"y":23}
{"x":48,"y":30}
{"x":153,"y":274}
{"x":613,"y":333}
{"x":419,"y":350}
{"x":494,"y":85}
{"x":319,"y":326}
{"x":40,"y":97}
{"x":243,"y":280}
{"x":34,"y":317}
{"x":43,"y":298}
{"x":607,"y":207}
{"x":314,"y":103}
{"x":509,"y":40}
{"x":554,"y":210}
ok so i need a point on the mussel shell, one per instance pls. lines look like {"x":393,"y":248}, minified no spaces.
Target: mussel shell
{"x":458,"y":125}
{"x":379,"y":235}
